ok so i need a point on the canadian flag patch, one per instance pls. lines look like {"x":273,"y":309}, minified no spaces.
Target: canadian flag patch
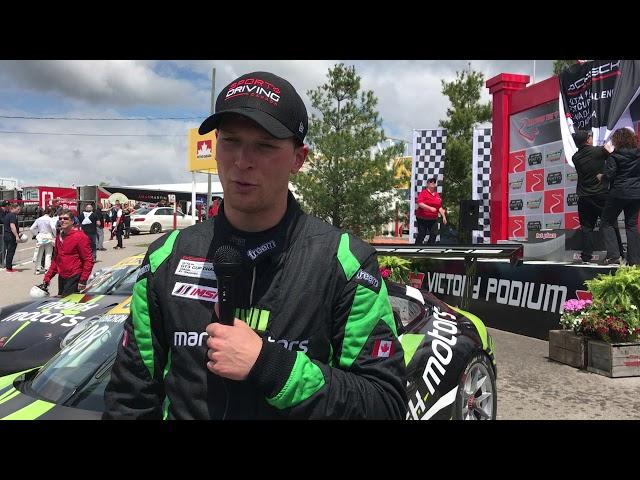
{"x":382,"y":348}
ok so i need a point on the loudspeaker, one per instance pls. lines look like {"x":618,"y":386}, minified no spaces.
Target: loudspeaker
{"x":469,"y":215}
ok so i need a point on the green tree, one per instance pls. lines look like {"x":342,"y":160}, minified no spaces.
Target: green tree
{"x":347,"y":181}
{"x":559,"y":65}
{"x":464,"y":112}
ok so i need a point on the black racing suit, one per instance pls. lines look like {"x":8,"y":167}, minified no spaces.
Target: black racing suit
{"x":314,"y":295}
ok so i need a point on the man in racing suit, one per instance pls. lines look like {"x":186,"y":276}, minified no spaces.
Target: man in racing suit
{"x":314,"y":335}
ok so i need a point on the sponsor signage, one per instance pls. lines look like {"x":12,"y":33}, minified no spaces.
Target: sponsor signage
{"x":526,"y":300}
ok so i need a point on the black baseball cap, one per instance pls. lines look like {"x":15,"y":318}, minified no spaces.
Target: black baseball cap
{"x":265,"y":98}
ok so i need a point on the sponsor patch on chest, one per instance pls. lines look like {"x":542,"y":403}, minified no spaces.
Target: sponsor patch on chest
{"x":195,"y":292}
{"x":195,"y":269}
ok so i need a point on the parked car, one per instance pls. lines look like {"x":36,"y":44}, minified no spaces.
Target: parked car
{"x":158,"y":219}
{"x":449,"y":355}
{"x":32,"y":332}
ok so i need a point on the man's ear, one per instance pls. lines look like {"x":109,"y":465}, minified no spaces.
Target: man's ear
{"x":300,"y":156}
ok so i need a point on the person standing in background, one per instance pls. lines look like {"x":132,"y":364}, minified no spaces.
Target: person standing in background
{"x":89,"y":227}
{"x":45,"y":234}
{"x":429,"y":207}
{"x":623,"y":173}
{"x":73,"y":259}
{"x":11,"y":235}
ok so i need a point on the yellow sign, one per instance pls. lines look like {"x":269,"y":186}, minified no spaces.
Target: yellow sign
{"x":202,"y":152}
{"x":402,"y":171}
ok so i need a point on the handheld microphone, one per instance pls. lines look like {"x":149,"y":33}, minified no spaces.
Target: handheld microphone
{"x":227,"y":262}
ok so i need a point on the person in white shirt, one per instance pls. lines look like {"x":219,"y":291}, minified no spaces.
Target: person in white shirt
{"x":44,"y":230}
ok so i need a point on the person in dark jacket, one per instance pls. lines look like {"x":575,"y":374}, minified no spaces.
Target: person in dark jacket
{"x":126,"y":221}
{"x":623,"y":173}
{"x":314,"y":334}
{"x":11,"y":235}
{"x":72,"y":258}
{"x":589,"y":162}
{"x":88,"y":224}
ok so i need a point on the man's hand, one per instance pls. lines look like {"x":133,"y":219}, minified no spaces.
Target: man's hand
{"x":81,"y":286}
{"x":444,"y":220}
{"x":233,"y":350}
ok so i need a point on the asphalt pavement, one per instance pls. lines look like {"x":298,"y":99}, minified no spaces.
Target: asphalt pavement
{"x":533,"y":387}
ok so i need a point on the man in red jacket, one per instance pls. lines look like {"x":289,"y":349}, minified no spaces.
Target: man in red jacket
{"x":73,"y":259}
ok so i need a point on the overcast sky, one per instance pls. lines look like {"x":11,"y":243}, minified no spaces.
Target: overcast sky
{"x":155,"y":151}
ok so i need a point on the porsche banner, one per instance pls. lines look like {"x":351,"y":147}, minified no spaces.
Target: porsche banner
{"x":601,"y":96}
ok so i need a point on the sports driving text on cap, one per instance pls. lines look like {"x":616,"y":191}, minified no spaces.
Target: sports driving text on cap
{"x":265,"y":98}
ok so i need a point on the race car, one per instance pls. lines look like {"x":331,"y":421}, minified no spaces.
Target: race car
{"x":451,"y":366}
{"x":32,"y":332}
{"x":449,"y":355}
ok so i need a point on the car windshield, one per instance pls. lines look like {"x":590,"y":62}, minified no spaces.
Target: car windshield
{"x":114,"y":281}
{"x":142,"y":211}
{"x":79,"y":373}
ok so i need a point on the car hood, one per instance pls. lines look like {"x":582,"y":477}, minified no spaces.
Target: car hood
{"x":49,"y":319}
{"x":16,"y":405}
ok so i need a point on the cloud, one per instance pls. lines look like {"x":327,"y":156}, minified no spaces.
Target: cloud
{"x":408,"y":91}
{"x":119,"y":83}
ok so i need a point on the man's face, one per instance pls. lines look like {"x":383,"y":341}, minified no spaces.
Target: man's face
{"x":88,"y":208}
{"x":253,"y":166}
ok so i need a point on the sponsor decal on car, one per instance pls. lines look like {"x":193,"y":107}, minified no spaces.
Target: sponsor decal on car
{"x":55,"y":312}
{"x":444,"y":334}
{"x":195,"y":269}
{"x":195,"y":292}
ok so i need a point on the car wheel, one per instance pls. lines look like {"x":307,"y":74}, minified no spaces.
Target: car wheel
{"x":135,"y":232}
{"x":477,"y":395}
{"x":155,"y":228}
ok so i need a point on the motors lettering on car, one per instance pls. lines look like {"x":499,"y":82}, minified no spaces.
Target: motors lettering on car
{"x":444,"y":334}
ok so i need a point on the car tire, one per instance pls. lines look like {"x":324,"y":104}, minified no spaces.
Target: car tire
{"x":155,"y":228}
{"x":135,"y":232}
{"x":477,"y":397}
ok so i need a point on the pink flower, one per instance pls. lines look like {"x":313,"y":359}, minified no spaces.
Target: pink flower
{"x":385,"y":272}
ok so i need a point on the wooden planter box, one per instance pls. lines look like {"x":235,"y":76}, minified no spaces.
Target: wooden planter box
{"x":613,"y":359}
{"x":567,"y":347}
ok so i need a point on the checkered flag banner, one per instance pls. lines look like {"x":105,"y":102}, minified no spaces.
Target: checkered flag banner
{"x":480,"y":183}
{"x":428,"y":162}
